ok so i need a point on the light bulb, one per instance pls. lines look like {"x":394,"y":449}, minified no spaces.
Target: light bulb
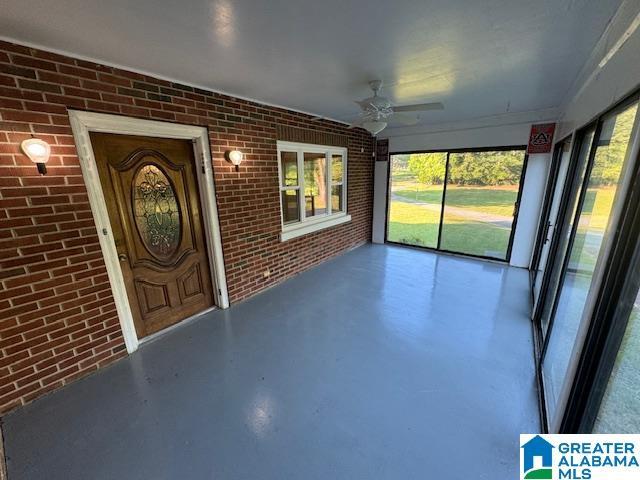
{"x":37,"y":150}
{"x":374,"y":126}
{"x":235,"y":157}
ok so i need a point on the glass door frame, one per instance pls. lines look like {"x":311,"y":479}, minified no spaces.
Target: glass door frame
{"x":586,"y":391}
{"x":571,"y":189}
{"x":541,"y":236}
{"x":615,"y":298}
{"x":544,"y":225}
{"x":449,"y":151}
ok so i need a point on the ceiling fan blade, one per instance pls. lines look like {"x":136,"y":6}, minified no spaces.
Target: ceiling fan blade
{"x":404,"y":118}
{"x":363,"y":104}
{"x":419,"y":107}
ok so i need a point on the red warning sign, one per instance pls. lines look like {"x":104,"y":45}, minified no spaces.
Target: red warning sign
{"x":541,"y":138}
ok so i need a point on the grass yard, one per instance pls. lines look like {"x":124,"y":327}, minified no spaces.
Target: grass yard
{"x":463,"y":229}
{"x":475,"y":238}
{"x":593,"y":223}
{"x":414,"y":225}
{"x":597,"y":205}
{"x":498,"y":200}
{"x":620,"y":410}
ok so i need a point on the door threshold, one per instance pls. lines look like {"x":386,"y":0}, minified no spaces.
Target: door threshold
{"x":450,"y":253}
{"x":180,"y":324}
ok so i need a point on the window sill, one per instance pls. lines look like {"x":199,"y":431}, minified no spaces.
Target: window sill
{"x":310,"y":226}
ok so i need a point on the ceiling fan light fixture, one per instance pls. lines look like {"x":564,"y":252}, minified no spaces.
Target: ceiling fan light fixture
{"x":374,"y":126}
{"x":377,"y":109}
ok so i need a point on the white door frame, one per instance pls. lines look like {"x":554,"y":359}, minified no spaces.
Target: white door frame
{"x":84,"y":122}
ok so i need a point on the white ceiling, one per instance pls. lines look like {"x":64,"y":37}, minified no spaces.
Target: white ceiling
{"x":479,"y":57}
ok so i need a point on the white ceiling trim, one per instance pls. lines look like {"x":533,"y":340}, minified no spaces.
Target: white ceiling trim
{"x":505,"y":119}
{"x":162,"y":77}
{"x":592,"y":65}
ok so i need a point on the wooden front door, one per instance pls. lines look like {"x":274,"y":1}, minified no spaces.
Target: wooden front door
{"x":151,"y":192}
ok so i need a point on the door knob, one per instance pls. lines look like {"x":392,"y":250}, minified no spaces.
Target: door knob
{"x":122,"y":257}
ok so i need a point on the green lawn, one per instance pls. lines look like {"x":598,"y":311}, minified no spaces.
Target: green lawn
{"x":475,"y":238}
{"x":620,"y":409}
{"x":496,"y":200}
{"x":597,"y":203}
{"x":593,"y":223}
{"x":414,"y":224}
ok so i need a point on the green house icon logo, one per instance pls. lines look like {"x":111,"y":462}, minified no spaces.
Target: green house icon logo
{"x":537,"y":447}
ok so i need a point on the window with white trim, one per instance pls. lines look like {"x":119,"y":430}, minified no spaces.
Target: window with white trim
{"x":313,"y":187}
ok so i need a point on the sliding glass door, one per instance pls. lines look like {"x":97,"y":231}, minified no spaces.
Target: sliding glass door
{"x":557,"y":184}
{"x":459,"y":201}
{"x":600,"y":172}
{"x":619,"y":410}
{"x":480,"y":202}
{"x":415,"y":198}
{"x":569,"y":200}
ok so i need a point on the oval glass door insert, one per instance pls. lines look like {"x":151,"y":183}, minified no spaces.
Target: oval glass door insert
{"x":156,"y":211}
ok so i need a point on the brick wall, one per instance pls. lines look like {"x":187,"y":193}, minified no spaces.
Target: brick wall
{"x":57,"y":315}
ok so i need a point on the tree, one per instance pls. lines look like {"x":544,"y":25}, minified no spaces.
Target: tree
{"x":468,"y":168}
{"x":612,"y":149}
{"x":428,"y":167}
{"x":486,"y":168}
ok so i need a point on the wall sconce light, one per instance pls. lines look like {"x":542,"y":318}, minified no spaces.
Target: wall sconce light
{"x":235,"y":157}
{"x":38,"y":151}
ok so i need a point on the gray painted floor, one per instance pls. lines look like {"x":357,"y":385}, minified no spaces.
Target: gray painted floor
{"x":386,"y":363}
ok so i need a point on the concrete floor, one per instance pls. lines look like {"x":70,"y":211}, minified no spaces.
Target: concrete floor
{"x":385,"y":363}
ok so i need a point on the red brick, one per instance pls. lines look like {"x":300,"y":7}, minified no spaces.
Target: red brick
{"x":46,"y":107}
{"x":81,"y":92}
{"x":11,"y":398}
{"x":102,"y":106}
{"x":77,"y":72}
{"x":29,"y":117}
{"x":105,"y":77}
{"x":40,"y":86}
{"x":33,"y":63}
{"x":39,"y":313}
{"x":30,"y":212}
{"x":17,"y":71}
{"x":59,"y":79}
{"x":9,"y":103}
{"x":7,"y":81}
{"x":12,"y":293}
{"x":51,"y":216}
{"x":66,"y":100}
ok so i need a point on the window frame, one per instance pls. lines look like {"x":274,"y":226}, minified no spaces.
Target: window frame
{"x":607,"y":316}
{"x":449,"y":151}
{"x":306,"y":225}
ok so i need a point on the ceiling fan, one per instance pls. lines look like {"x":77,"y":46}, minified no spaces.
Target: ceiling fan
{"x":378,"y":110}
